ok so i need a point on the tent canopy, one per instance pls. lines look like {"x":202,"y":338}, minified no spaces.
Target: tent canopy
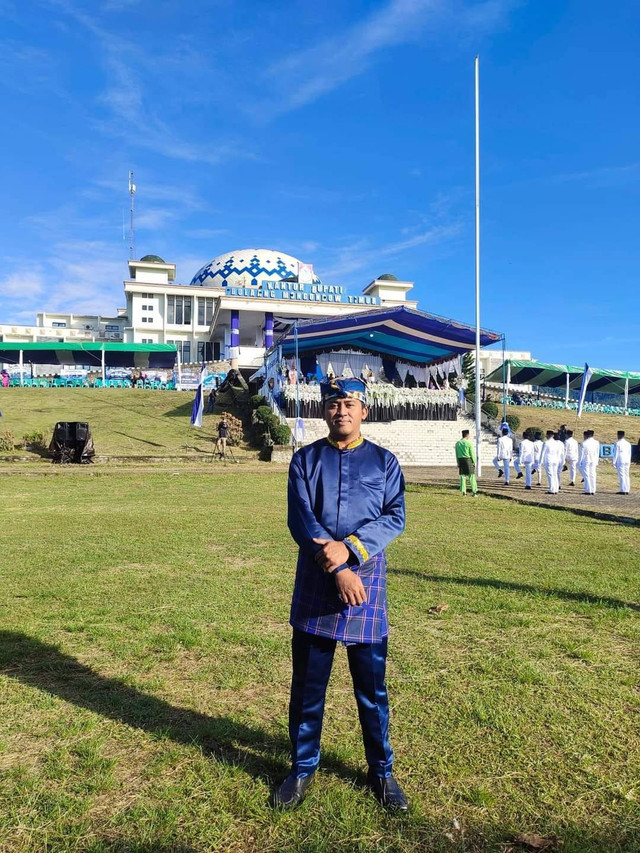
{"x":67,"y":353}
{"x":399,"y":333}
{"x":555,"y":376}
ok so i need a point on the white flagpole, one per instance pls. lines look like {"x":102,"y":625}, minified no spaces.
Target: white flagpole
{"x":477,"y":413}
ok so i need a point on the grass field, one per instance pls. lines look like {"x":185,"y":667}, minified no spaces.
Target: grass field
{"x":144,"y":657}
{"x":123,"y":421}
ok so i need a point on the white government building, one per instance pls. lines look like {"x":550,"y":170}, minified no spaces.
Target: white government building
{"x":231,"y":311}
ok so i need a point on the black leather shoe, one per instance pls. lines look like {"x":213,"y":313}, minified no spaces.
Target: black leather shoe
{"x":387,"y":792}
{"x":291,"y":793}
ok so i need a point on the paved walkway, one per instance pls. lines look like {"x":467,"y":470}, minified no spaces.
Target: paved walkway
{"x":604,"y":504}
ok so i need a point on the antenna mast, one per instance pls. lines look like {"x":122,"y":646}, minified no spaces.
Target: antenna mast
{"x":132,"y":193}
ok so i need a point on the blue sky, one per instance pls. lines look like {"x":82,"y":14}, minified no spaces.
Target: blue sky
{"x":342,"y":133}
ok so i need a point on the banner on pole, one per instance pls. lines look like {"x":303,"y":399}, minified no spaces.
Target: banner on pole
{"x":586,"y":376}
{"x":198,"y":402}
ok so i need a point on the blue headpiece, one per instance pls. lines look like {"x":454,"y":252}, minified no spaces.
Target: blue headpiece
{"x":332,"y":389}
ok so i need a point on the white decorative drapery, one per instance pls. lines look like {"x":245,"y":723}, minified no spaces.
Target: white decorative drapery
{"x":402,"y":369}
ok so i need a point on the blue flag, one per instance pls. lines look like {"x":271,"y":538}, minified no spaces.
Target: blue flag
{"x":198,"y":403}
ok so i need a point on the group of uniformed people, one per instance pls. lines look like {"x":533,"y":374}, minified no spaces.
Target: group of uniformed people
{"x":560,"y":452}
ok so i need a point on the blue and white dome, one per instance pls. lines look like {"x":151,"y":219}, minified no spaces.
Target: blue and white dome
{"x":248,"y":268}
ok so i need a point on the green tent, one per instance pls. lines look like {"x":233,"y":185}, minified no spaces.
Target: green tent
{"x":516,"y":372}
{"x":95,"y":353}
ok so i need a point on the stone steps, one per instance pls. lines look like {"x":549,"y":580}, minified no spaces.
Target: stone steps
{"x":415,"y":442}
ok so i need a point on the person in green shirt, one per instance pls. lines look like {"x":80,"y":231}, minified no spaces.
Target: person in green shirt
{"x":466,"y":459}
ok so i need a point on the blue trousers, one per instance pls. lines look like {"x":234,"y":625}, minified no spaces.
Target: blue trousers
{"x":312,"y":662}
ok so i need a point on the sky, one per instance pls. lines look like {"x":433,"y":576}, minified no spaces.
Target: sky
{"x":343,"y":134}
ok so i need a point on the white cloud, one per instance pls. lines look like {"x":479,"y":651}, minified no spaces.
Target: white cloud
{"x":305,"y":76}
{"x":83,"y":277}
{"x":604,"y":176}
{"x":133,"y":115}
{"x":361,"y":254}
{"x":21,"y":286}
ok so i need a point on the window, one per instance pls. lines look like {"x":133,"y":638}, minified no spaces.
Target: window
{"x":147,"y":319}
{"x":205,"y":310}
{"x":59,"y":325}
{"x":184,"y":349}
{"x":147,"y":341}
{"x":147,"y":307}
{"x":205,"y":351}
{"x":179,"y":310}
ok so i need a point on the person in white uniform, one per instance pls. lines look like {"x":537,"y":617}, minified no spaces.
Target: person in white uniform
{"x":572,"y":453}
{"x":622,"y":462}
{"x":552,"y":453}
{"x":496,"y":461}
{"x":589,"y":458}
{"x":561,"y":463}
{"x":527,"y":456}
{"x":537,"y":453}
{"x":516,"y":456}
{"x":505,"y":453}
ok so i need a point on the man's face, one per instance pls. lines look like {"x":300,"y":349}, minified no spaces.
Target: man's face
{"x":344,"y":416}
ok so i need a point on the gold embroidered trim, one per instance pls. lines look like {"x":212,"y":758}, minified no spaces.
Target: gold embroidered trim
{"x":357,"y":544}
{"x":355,"y":443}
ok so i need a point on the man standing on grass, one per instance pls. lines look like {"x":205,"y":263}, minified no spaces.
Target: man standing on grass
{"x":537,"y":455}
{"x":552,"y":453}
{"x":572,"y":453}
{"x":466,"y":460}
{"x":589,"y":458}
{"x":504,"y":454}
{"x":223,"y":433}
{"x":526,"y":458}
{"x":622,"y":462}
{"x":346,"y":504}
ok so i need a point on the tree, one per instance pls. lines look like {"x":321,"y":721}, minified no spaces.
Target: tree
{"x":469,"y":373}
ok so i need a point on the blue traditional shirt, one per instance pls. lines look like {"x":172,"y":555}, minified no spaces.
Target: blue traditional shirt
{"x":354,"y":495}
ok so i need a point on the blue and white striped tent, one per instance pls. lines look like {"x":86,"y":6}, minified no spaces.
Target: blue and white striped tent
{"x":403,"y":334}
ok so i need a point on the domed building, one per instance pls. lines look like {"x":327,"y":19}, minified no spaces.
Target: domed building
{"x":250,"y":267}
{"x":236,"y":305}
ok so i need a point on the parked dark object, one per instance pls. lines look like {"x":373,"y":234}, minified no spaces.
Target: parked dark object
{"x":72,"y":442}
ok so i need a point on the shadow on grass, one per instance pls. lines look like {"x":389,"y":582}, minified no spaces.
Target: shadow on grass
{"x":260,"y":753}
{"x":137,"y":438}
{"x":565,"y":594}
{"x":181,"y":411}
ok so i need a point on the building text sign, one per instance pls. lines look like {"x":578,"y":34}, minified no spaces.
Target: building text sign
{"x":294,"y":290}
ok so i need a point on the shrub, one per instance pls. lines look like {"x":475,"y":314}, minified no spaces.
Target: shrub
{"x":257,"y":400}
{"x":33,"y":439}
{"x":281,"y":434}
{"x":7,"y":440}
{"x":263,"y":413}
{"x":532,"y":430}
{"x":490,"y":409}
{"x":260,"y":434}
{"x":514,"y":422}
